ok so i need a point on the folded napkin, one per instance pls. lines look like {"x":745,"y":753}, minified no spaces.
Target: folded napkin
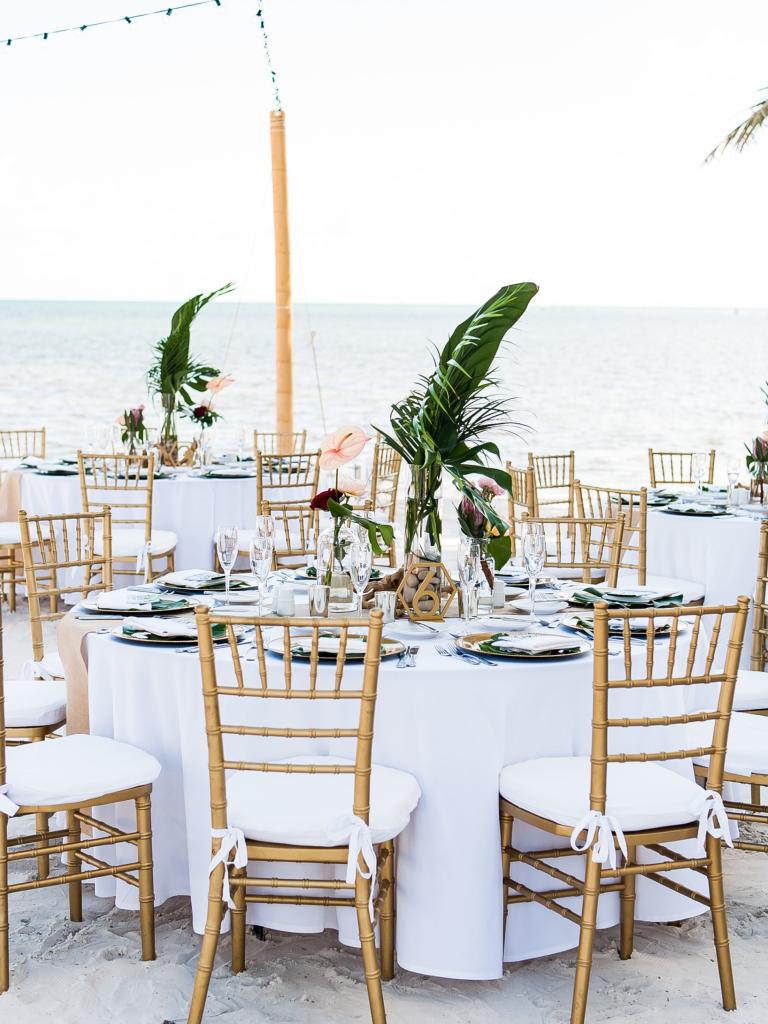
{"x":616,"y":626}
{"x":199,"y":579}
{"x":126,"y":601}
{"x":590,"y":596}
{"x":31,"y":462}
{"x":168,"y":629}
{"x":528,"y":643}
{"x":330,"y":645}
{"x":694,"y":508}
{"x":224,"y":471}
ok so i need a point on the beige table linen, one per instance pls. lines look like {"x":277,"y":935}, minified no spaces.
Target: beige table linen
{"x":10,"y":496}
{"x":72,"y":639}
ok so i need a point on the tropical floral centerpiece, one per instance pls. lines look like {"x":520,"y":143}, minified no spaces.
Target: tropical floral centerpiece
{"x":474,"y":523}
{"x":443,"y":425}
{"x":175,"y":375}
{"x":133,"y":431}
{"x":336,"y":450}
{"x":757,"y":464}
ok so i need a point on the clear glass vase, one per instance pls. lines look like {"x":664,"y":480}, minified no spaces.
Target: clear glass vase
{"x":333,"y":558}
{"x":423,"y":523}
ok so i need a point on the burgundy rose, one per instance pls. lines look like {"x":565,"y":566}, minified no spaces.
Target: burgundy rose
{"x":200,"y":412}
{"x":321,"y":499}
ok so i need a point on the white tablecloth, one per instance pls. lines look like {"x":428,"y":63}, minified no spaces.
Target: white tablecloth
{"x":453,"y":726}
{"x":190,"y":506}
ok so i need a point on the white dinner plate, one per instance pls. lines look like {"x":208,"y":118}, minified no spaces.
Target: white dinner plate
{"x":541,"y":607}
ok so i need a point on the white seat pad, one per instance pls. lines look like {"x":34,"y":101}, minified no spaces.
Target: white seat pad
{"x":639,"y":795}
{"x":747,"y":751}
{"x":75,"y":769}
{"x":306,"y":810}
{"x":751,"y":691}
{"x":690,"y":589}
{"x":10,"y":533}
{"x":128,"y":542}
{"x":32,"y":702}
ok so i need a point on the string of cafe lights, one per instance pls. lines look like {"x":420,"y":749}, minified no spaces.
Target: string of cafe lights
{"x":126,"y":19}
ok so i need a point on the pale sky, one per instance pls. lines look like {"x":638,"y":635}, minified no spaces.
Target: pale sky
{"x":437,"y":149}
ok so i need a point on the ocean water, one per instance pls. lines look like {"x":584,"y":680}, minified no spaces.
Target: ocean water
{"x":608,"y":383}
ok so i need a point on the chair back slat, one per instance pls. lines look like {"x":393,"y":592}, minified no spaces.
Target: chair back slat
{"x":295,"y":540}
{"x":677,"y":467}
{"x":270,"y":442}
{"x":21,"y":444}
{"x":521,"y":500}
{"x":286,"y":476}
{"x":590,"y":545}
{"x":759,"y":653}
{"x":119,"y":481}
{"x":604,"y":684}
{"x":608,"y":502}
{"x":554,"y":477}
{"x":63,"y":543}
{"x":282,"y":686}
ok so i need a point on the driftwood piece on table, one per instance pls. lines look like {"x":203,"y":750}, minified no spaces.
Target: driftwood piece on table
{"x":390,"y":582}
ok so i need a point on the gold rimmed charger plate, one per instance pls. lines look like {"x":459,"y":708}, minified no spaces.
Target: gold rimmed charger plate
{"x":471,"y":643}
{"x":92,"y":609}
{"x":206,"y":588}
{"x":572,"y":623}
{"x":389,"y":648}
{"x":169,"y":641}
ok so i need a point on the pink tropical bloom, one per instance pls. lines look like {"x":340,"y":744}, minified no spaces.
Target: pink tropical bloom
{"x":343,"y":445}
{"x":216,"y":384}
{"x":486,"y":484}
{"x":471,"y":515}
{"x":348,"y":485}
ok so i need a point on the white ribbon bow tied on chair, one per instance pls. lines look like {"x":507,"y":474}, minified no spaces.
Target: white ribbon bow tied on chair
{"x":354,"y":832}
{"x":604,"y":849}
{"x":232,"y":841}
{"x":142,"y":560}
{"x":713,"y":820}
{"x":35,"y":670}
{"x":7,"y":806}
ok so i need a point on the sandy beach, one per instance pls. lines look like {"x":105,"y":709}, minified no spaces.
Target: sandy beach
{"x":92,"y":972}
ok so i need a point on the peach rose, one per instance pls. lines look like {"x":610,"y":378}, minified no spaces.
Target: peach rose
{"x":343,"y":445}
{"x":348,"y":485}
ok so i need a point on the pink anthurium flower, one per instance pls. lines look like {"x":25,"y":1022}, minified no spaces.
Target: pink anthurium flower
{"x":343,"y":445}
{"x":217,"y":384}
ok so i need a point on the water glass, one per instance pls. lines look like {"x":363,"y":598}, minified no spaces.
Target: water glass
{"x":386,"y":600}
{"x":285,"y":601}
{"x":319,"y":597}
{"x":242,"y":441}
{"x":469,"y":571}
{"x":698,"y":469}
{"x":361,"y":564}
{"x":734,"y":468}
{"x":226,"y":547}
{"x":534,"y":554}
{"x":260,"y":555}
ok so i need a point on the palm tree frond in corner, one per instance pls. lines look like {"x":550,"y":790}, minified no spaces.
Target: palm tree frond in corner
{"x":742,"y":134}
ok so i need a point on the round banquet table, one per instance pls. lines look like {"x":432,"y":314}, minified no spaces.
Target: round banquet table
{"x":191,"y":506}
{"x":449,"y":723}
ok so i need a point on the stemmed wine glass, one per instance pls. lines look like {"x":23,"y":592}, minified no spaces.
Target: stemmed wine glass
{"x":360,"y":564}
{"x":260,"y":552}
{"x":469,"y":570}
{"x":534,"y":553}
{"x":226,"y":546}
{"x":242,"y":437}
{"x":698,"y":468}
{"x":734,"y":468}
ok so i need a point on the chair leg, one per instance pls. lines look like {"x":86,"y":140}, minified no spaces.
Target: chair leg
{"x":586,"y":940}
{"x":208,"y":948}
{"x":5,"y":971}
{"x":43,"y":861}
{"x":719,"y":922}
{"x":12,"y":584}
{"x":387,"y":915}
{"x":755,"y":792}
{"x":506,"y":862}
{"x":74,"y":867}
{"x":237,"y":918}
{"x":627,"y":927}
{"x":368,"y":950}
{"x":146,"y":883}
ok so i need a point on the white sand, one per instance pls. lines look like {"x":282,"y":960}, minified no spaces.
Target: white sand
{"x":91,"y":972}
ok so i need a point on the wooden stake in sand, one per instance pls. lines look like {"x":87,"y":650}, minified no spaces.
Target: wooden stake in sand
{"x":283,"y":315}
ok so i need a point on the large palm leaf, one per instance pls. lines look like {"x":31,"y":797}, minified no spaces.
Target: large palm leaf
{"x":743,"y":133}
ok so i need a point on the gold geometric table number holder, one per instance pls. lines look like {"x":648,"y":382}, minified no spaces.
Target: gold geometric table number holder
{"x":426,"y":590}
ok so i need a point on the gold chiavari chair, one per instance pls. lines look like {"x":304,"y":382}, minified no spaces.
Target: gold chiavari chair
{"x":286,"y":476}
{"x":521,"y":500}
{"x":624,"y":799}
{"x":382,"y":500}
{"x":73,"y":775}
{"x":752,"y":683}
{"x":586,"y":548}
{"x":677,"y":467}
{"x":302,"y":809}
{"x":268,"y":443}
{"x":21,"y":444}
{"x":610,"y":501}
{"x":554,"y":476}
{"x":125,"y":484}
{"x":295,"y":540}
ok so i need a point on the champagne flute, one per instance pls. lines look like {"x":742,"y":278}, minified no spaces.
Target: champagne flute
{"x":698,"y":468}
{"x":469,"y":571}
{"x":226,"y":546}
{"x":734,"y":468}
{"x":534,"y":553}
{"x":361,"y":564}
{"x":242,"y":437}
{"x":260,"y":553}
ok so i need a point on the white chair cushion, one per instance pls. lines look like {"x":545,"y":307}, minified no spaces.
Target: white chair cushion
{"x":75,"y":769}
{"x":639,"y":795}
{"x":31,"y":702}
{"x":751,"y":691}
{"x":747,"y":751}
{"x":690,"y":590}
{"x":128,"y":542}
{"x":10,"y":533}
{"x":305,"y":810}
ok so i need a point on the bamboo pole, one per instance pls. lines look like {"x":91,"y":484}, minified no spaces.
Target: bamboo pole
{"x":283,"y":316}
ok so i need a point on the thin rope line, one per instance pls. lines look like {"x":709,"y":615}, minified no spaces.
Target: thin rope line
{"x":111,"y":21}
{"x":270,"y":65}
